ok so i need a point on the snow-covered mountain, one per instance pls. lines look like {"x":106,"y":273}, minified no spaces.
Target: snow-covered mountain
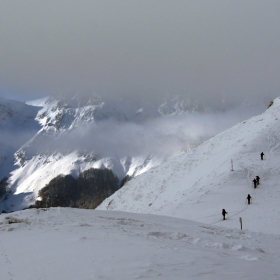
{"x":198,"y":184}
{"x":193,"y":244}
{"x":54,"y":136}
{"x":17,"y":126}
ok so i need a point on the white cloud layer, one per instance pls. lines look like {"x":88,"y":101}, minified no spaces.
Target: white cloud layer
{"x":163,"y":137}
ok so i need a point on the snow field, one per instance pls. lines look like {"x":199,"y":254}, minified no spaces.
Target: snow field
{"x":65,"y":243}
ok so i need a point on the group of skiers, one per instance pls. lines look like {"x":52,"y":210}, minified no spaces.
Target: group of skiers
{"x":256,"y":182}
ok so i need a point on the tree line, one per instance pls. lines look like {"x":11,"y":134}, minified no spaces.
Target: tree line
{"x":87,"y":191}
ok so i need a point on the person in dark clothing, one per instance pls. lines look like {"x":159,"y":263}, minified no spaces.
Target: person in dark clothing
{"x":262,"y":154}
{"x":224,"y":214}
{"x":255,"y":183}
{"x":258,"y":180}
{"x":249,"y":198}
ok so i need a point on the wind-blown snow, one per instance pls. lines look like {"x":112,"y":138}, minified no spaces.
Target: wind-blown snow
{"x":198,"y":184}
{"x":75,"y":244}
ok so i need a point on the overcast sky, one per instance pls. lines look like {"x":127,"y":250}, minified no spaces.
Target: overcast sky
{"x":208,"y":49}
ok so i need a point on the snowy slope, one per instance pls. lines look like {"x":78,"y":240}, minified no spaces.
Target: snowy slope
{"x":71,"y":135}
{"x":64,"y":243}
{"x":198,"y":184}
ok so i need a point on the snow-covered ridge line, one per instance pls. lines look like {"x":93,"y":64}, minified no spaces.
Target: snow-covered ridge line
{"x":197,"y":185}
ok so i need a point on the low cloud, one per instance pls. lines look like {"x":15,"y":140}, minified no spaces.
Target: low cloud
{"x":163,"y":137}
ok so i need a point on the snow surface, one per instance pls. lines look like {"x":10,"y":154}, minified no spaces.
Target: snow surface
{"x":185,"y":240}
{"x":198,"y":184}
{"x":64,"y":243}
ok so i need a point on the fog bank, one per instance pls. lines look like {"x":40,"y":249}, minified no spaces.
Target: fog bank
{"x":210,"y":50}
{"x":161,"y":137}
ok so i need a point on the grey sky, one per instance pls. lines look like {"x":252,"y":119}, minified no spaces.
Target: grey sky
{"x":209,"y":49}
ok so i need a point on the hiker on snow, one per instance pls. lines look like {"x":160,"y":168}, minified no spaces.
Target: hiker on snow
{"x":262,"y":154}
{"x":224,"y":214}
{"x":249,"y":198}
{"x":258,"y":180}
{"x":255,"y":183}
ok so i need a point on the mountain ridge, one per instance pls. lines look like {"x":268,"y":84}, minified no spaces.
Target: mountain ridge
{"x":198,"y":184}
{"x":73,"y":135}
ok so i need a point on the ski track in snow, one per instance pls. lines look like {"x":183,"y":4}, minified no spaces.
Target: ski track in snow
{"x":6,"y":268}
